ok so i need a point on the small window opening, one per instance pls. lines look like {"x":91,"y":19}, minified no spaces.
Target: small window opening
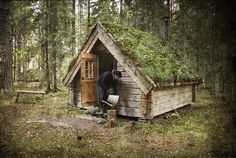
{"x":89,"y":69}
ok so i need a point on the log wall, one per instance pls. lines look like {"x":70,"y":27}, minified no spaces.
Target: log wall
{"x":76,"y":89}
{"x":165,"y":100}
{"x":130,"y":95}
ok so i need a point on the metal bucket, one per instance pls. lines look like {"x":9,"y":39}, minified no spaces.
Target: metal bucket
{"x":113,"y":99}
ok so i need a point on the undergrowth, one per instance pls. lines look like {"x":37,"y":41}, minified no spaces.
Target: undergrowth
{"x":200,"y":130}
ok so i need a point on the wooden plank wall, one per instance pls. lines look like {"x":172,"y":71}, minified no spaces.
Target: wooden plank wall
{"x":130,"y":95}
{"x":171,"y":98}
{"x":76,"y":89}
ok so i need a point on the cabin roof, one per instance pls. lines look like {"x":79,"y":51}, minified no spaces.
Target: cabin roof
{"x":149,"y":55}
{"x":144,"y":58}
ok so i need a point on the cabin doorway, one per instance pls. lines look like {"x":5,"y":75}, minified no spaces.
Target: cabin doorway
{"x":106,"y":62}
{"x":89,"y":76}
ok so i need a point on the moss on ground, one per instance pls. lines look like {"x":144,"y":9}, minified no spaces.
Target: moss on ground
{"x":201,"y":130}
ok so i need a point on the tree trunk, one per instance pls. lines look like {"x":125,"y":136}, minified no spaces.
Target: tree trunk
{"x":121,"y":12}
{"x":6,"y":47}
{"x":43,"y":54}
{"x":24,"y":60}
{"x":47,"y":70}
{"x":18,"y":57}
{"x":88,"y":15}
{"x":53,"y":32}
{"x":80,"y":20}
{"x":15,"y":58}
{"x":73,"y":38}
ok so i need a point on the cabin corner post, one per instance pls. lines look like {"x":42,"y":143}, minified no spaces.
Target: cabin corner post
{"x":194,"y":93}
{"x":145,"y":106}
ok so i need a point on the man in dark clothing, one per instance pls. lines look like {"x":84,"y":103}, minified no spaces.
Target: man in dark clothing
{"x":107,"y":82}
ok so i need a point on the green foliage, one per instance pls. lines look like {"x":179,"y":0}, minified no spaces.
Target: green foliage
{"x":149,"y":55}
{"x":104,"y":11}
{"x":34,"y":74}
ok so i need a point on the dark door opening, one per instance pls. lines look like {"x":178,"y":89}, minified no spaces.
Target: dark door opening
{"x":106,"y":62}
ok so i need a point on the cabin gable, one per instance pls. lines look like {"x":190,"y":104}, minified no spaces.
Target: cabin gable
{"x":99,"y":33}
{"x":125,"y":61}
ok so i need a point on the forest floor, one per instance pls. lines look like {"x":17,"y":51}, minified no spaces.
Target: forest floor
{"x":49,"y":127}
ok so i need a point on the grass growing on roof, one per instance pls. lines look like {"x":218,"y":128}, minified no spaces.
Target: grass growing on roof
{"x":152,"y":58}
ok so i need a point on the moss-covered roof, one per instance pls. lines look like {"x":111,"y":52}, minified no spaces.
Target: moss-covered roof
{"x":149,"y":55}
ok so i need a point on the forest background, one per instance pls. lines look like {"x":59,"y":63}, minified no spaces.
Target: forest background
{"x":40,"y":38}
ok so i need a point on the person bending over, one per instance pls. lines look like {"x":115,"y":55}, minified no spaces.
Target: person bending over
{"x":107,"y":84}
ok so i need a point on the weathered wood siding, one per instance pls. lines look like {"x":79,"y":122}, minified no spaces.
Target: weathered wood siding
{"x":76,"y":89}
{"x":164,"y":100}
{"x":130,"y":95}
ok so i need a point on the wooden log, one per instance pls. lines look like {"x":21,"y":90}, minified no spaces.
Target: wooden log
{"x":127,"y":103}
{"x":170,"y":102}
{"x":31,"y":92}
{"x":127,"y":84}
{"x":71,"y":73}
{"x":111,"y":118}
{"x":91,"y":40}
{"x":193,"y":93}
{"x":146,"y":106}
{"x":167,"y":99}
{"x":130,"y":97}
{"x":171,"y":91}
{"x":17,"y":98}
{"x":129,"y":90}
{"x":128,"y":111}
{"x":126,"y":79}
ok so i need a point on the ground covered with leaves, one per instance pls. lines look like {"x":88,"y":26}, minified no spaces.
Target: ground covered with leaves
{"x":49,"y":127}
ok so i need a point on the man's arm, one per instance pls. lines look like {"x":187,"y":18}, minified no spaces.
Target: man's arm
{"x":115,"y":88}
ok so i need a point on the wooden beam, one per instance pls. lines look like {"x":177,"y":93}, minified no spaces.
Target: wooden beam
{"x":91,"y":40}
{"x":111,"y":118}
{"x":86,"y":48}
{"x":193,"y":93}
{"x":71,"y":71}
{"x":85,"y":44}
{"x":125,"y":61}
{"x":179,"y":84}
{"x":32,"y":92}
{"x":146,"y":106}
{"x":128,"y":111}
{"x":77,"y":67}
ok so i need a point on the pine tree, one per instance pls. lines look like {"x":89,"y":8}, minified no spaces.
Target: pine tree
{"x":6,"y":47}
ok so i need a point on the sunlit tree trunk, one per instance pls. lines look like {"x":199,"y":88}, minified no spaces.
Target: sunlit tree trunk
{"x":47,"y":70}
{"x":73,"y":38}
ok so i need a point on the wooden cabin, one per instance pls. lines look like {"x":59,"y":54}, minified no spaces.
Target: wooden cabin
{"x":141,"y":96}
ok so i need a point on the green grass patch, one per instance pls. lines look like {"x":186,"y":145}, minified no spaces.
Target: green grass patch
{"x":202,"y":130}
